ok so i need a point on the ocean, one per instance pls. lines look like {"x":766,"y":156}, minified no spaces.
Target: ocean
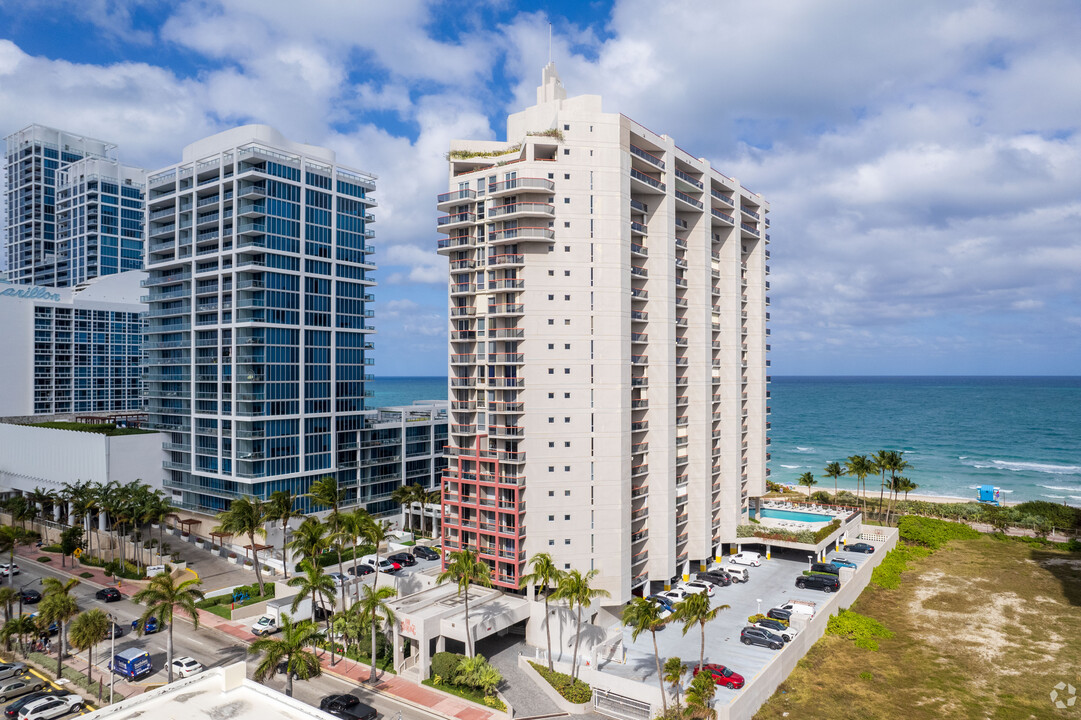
{"x":1022,"y":434}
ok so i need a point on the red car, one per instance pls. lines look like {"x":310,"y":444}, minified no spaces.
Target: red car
{"x":722,"y":675}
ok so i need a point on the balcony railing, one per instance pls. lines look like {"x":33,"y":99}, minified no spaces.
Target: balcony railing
{"x":647,"y":156}
{"x":642,"y":177}
{"x":465,"y":194}
{"x":688,"y":179}
{"x":688,"y":199}
{"x":723,"y":216}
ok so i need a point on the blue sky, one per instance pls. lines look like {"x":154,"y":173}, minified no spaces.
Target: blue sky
{"x":923,"y":160}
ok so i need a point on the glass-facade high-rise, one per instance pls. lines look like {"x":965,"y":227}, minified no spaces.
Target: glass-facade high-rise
{"x":257,"y":342}
{"x":40,"y":227}
{"x":99,"y":216}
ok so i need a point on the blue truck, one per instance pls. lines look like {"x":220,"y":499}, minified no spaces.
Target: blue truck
{"x":132,"y":663}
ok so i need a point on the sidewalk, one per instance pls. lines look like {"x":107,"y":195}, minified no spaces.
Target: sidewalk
{"x":97,"y":578}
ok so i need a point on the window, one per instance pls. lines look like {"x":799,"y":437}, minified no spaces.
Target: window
{"x":551,"y":445}
{"x":551,"y":468}
{"x":566,"y":176}
{"x":551,"y":419}
{"x":551,"y":371}
{"x":551,"y":346}
{"x":566,"y":127}
{"x":566,"y":151}
{"x":551,"y":493}
{"x":566,"y":201}
{"x":566,"y":346}
{"x":566,"y":419}
{"x":551,"y":321}
{"x":566,"y":396}
{"x":551,"y":176}
{"x":551,"y":297}
{"x":566,"y":297}
{"x":551,"y":273}
{"x":566,"y":321}
{"x":566,"y":493}
{"x":551,"y":518}
{"x":551,"y":542}
{"x":566,"y":541}
{"x":566,"y":371}
{"x":566,"y":248}
{"x":566,"y":273}
{"x":566,"y":517}
{"x":566,"y":225}
{"x":551,"y":396}
{"x":567,"y":468}
{"x":566,"y":566}
{"x":567,"y":444}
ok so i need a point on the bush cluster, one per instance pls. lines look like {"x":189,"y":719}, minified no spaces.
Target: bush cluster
{"x":933,"y":533}
{"x":888,"y":573}
{"x":756,"y":618}
{"x":572,"y":689}
{"x":445,"y":664}
{"x":808,"y":537}
{"x":252,"y":591}
{"x":864,"y":630}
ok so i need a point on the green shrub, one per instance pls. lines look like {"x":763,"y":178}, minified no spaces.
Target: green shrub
{"x":756,"y":618}
{"x":888,"y":573}
{"x":45,"y":559}
{"x":122,"y":569}
{"x":864,"y":630}
{"x":445,"y":664}
{"x":86,"y":575}
{"x":572,"y":690}
{"x":867,"y":676}
{"x":52,"y":548}
{"x":933,"y":533}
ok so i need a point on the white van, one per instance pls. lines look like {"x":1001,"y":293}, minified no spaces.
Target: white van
{"x":746,"y":558}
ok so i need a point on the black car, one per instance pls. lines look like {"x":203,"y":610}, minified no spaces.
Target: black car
{"x":108,"y":594}
{"x":29,"y":596}
{"x":780,"y":614}
{"x":825,"y":583}
{"x":360,"y":570}
{"x":348,"y":707}
{"x":114,"y":631}
{"x":825,"y":568}
{"x":761,"y":636}
{"x":12,"y":710}
{"x":860,"y":547}
{"x":776,"y":627}
{"x":404,"y":559}
{"x":425,"y":553}
{"x":722,"y":579}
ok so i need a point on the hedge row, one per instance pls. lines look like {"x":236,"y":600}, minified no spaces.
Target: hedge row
{"x":572,"y":689}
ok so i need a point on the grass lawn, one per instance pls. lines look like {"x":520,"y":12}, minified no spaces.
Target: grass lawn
{"x":983,"y":628}
{"x":466,"y":693}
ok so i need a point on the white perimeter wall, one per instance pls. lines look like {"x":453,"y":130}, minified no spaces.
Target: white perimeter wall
{"x":45,"y":457}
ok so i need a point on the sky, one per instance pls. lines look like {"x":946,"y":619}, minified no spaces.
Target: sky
{"x":922,"y":159}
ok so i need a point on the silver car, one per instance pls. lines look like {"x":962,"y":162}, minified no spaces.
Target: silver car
{"x":8,"y":670}
{"x":14,"y":687}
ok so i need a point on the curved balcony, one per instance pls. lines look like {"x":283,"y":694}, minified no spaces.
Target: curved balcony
{"x":506,"y":259}
{"x":520,"y":185}
{"x":522,"y":209}
{"x":504,"y":309}
{"x":455,"y":220}
{"x":520,"y":234}
{"x":457,"y":242}
{"x":455,"y":196}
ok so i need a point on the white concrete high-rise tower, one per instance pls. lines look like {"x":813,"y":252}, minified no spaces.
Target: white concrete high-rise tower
{"x":608,"y":371}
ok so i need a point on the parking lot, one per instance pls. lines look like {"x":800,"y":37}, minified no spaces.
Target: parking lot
{"x":772,"y":584}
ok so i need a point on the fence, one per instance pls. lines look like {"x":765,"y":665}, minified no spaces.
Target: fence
{"x":620,"y":707}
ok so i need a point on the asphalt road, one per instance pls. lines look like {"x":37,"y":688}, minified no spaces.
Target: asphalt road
{"x":209,"y":647}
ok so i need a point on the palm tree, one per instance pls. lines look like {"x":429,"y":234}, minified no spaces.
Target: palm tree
{"x":906,"y":486}
{"x":310,"y":539}
{"x":281,"y":507}
{"x":291,"y":647}
{"x":881,"y":463}
{"x":8,"y":597}
{"x":313,"y":580}
{"x":463,"y":568}
{"x":574,"y":588}
{"x":163,"y":597}
{"x":834,"y":470}
{"x":700,"y":694}
{"x":807,"y":479}
{"x":87,"y":630}
{"x":897,"y":464}
{"x":404,"y":496}
{"x":10,"y":537}
{"x":642,"y":615}
{"x":695,"y":609}
{"x":673,"y":675}
{"x":376,"y":532}
{"x":547,"y":575}
{"x":375,"y":611}
{"x":246,"y":516}
{"x":354,"y":525}
{"x":58,"y":606}
{"x":20,"y":510}
{"x":21,"y":627}
{"x":326,"y":491}
{"x":860,"y":467}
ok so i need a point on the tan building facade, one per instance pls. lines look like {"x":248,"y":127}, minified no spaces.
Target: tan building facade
{"x":608,"y":372}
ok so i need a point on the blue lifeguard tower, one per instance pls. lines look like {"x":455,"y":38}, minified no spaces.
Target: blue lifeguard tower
{"x":988,"y":494}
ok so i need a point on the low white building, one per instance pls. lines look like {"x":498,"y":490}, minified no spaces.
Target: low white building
{"x":222,"y":693}
{"x":72,"y":350}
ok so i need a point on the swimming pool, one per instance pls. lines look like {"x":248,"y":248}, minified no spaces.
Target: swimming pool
{"x":797,"y":515}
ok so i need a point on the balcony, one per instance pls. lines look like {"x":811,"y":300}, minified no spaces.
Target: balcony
{"x":506,"y":358}
{"x":506,"y":259}
{"x":458,"y":241}
{"x":638,"y":228}
{"x":455,"y":220}
{"x":650,"y":184}
{"x":687,"y":199}
{"x":520,"y":234}
{"x":750,"y":229}
{"x":722,"y":216}
{"x":507,"y":284}
{"x":647,"y":156}
{"x":456,"y":196}
{"x":722,"y":197}
{"x":521,"y":185}
{"x":639,"y":250}
{"x":690,"y":181}
{"x":506,"y":309}
{"x":639,"y":359}
{"x":522,"y":209}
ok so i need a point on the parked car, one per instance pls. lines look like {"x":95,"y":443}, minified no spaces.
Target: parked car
{"x":825,"y":583}
{"x":360,"y":570}
{"x":716,"y":577}
{"x":825,"y":568}
{"x":697,"y":587}
{"x":29,"y":596}
{"x":8,"y":670}
{"x":385,"y":565}
{"x":12,"y":710}
{"x":186,"y":666}
{"x":425,"y":553}
{"x":50,"y":707}
{"x":806,"y":608}
{"x":841,"y":562}
{"x":109,"y":594}
{"x":52,"y":628}
{"x":348,"y":707}
{"x":752,"y":635}
{"x":114,"y":631}
{"x":16,"y":686}
{"x":664,"y":602}
{"x":338,"y":578}
{"x":265,"y":625}
{"x":738,"y":574}
{"x":777,"y":628}
{"x":722,"y":675}
{"x":151,"y":626}
{"x":860,"y":547}
{"x":746,"y":558}
{"x":7,"y":569}
{"x":403,"y":558}
{"x":674,"y":595}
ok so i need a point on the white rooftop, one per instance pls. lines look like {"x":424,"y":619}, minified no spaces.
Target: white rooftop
{"x":222,"y":693}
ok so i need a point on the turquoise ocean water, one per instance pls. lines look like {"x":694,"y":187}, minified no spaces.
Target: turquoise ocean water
{"x":1020,"y":434}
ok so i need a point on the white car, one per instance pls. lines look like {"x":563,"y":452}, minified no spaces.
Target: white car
{"x":746,"y":558}
{"x":50,"y":707}
{"x":338,"y":578}
{"x":186,"y":667}
{"x":674,"y":595}
{"x":7,"y":569}
{"x":697,"y":587}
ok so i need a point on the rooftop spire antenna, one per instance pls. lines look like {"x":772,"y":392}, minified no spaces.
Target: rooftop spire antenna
{"x":549,"y":43}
